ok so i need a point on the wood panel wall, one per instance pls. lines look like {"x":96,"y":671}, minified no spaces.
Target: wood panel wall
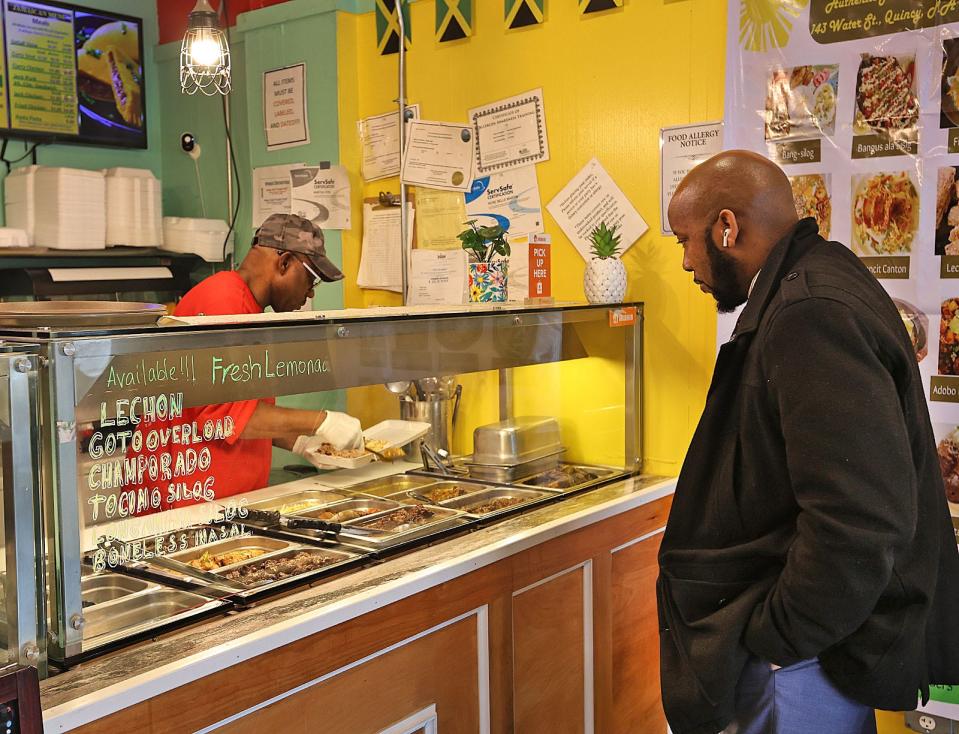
{"x":562,"y":637}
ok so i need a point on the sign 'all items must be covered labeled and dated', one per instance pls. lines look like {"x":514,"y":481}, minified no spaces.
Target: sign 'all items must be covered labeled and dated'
{"x":858,"y":101}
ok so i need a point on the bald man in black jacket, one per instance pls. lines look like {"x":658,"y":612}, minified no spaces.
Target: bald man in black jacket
{"x":809,"y":571}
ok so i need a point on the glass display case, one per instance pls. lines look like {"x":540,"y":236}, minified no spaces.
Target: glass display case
{"x":167,"y":496}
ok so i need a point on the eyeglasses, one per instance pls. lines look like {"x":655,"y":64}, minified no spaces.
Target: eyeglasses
{"x":316,"y":277}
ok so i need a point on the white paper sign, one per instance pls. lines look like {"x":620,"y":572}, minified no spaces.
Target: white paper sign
{"x":509,"y":199}
{"x":380,"y":263}
{"x":271,"y":191}
{"x":510,"y":133}
{"x":322,"y":195}
{"x":681,"y":149}
{"x":590,"y":198}
{"x":437,"y":277}
{"x":284,"y":107}
{"x":438,"y":156}
{"x":380,"y":143}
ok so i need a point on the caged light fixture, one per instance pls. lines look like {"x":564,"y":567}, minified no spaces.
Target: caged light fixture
{"x":204,"y":54}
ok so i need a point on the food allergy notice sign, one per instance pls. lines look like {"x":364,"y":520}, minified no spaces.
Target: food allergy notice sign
{"x":284,"y":107}
{"x":681,"y":149}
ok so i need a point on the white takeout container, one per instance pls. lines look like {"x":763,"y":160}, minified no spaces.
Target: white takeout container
{"x":341,"y":462}
{"x":396,"y":433}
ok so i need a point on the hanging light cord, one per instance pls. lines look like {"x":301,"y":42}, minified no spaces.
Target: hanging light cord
{"x":236,"y":178}
{"x":229,"y":140}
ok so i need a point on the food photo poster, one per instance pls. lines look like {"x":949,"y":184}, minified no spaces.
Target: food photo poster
{"x":859,"y":103}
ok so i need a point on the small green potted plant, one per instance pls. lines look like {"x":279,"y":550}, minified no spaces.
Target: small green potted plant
{"x":489,"y":264}
{"x":605,"y":278}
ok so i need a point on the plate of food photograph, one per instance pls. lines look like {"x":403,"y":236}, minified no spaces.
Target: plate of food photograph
{"x":949,"y":85}
{"x":812,"y":199}
{"x":917,"y":326}
{"x":886,"y":99}
{"x":948,"y":450}
{"x":885,"y":213}
{"x":801,"y":102}
{"x":949,"y":337}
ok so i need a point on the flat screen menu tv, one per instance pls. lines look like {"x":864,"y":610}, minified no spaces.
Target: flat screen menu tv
{"x":71,"y":74}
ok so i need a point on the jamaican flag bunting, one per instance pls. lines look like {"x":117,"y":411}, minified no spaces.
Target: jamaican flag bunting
{"x":388,"y":26}
{"x":597,"y":6}
{"x":522,"y":13}
{"x":454,"y":20}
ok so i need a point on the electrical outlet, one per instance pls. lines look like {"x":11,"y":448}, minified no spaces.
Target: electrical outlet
{"x":929,"y":724}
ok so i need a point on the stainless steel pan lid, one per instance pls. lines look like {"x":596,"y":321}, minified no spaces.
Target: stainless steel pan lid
{"x":516,"y":441}
{"x":32,"y":314}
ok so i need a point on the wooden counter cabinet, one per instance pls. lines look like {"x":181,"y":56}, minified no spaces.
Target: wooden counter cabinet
{"x":559,"y":638}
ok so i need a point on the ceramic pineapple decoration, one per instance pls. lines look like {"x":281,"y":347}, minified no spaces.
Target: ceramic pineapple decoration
{"x":605,"y":279}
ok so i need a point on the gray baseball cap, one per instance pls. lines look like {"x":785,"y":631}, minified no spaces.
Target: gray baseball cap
{"x":292,"y":233}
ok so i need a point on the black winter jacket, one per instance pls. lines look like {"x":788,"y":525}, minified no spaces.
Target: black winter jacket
{"x":810,"y":518}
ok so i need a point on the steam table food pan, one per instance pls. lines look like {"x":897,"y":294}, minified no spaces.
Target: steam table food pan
{"x":391,"y":485}
{"x":509,"y":473}
{"x":379,"y":531}
{"x":297,"y":503}
{"x":479,"y":504}
{"x":567,"y":477}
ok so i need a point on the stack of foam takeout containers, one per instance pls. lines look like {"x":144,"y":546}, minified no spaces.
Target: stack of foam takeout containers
{"x":61,"y":208}
{"x":19,"y":207}
{"x":133,"y":208}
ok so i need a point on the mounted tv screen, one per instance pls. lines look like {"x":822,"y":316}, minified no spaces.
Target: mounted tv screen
{"x":72,"y":74}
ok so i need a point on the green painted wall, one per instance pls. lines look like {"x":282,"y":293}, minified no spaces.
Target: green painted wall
{"x":281,"y":35}
{"x":271,"y":38}
{"x":90,"y":157}
{"x":184,"y":179}
{"x":297,"y":32}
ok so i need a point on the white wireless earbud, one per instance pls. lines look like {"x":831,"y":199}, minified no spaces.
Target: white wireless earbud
{"x":725,"y":238}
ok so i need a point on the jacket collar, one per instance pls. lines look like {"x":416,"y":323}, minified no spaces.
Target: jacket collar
{"x":771,"y":274}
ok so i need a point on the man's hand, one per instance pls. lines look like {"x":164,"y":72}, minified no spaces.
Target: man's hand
{"x":341,"y":431}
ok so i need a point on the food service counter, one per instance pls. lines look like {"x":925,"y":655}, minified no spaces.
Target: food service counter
{"x":542,"y":622}
{"x":126,"y":518}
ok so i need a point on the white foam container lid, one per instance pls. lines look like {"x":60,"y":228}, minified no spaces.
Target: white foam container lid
{"x":396,"y":432}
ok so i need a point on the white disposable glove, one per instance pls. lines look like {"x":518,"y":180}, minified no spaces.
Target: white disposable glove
{"x":341,"y":431}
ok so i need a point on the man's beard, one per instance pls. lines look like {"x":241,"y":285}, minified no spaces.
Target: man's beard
{"x":727,"y":291}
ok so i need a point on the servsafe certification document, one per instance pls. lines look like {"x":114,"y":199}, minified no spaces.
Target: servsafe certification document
{"x":510,"y":133}
{"x":439,"y":155}
{"x":322,"y":195}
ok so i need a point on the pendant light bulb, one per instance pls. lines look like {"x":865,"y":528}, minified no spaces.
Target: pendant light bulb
{"x":204,"y":53}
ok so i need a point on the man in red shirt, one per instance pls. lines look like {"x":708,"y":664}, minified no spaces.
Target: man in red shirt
{"x":285,"y":263}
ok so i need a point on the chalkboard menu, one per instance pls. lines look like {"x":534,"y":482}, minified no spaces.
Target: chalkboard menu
{"x":71,"y":74}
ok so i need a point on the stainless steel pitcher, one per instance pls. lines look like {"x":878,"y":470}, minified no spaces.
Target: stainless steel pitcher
{"x":434,"y":400}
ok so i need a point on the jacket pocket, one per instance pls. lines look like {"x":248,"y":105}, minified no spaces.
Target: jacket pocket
{"x":696,"y":600}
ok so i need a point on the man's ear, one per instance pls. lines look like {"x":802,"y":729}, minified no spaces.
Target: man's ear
{"x":729,"y":228}
{"x":283,"y":262}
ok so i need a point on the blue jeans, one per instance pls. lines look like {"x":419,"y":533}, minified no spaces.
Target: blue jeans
{"x":798,"y":699}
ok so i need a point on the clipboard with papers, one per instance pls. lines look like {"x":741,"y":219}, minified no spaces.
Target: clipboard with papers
{"x":381,"y":253}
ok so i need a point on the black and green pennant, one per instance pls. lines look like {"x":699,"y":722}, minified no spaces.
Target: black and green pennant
{"x":388,"y":26}
{"x":598,"y":6}
{"x":454,"y":20}
{"x":522,"y":13}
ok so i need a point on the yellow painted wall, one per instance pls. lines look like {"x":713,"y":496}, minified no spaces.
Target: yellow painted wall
{"x":610,"y":82}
